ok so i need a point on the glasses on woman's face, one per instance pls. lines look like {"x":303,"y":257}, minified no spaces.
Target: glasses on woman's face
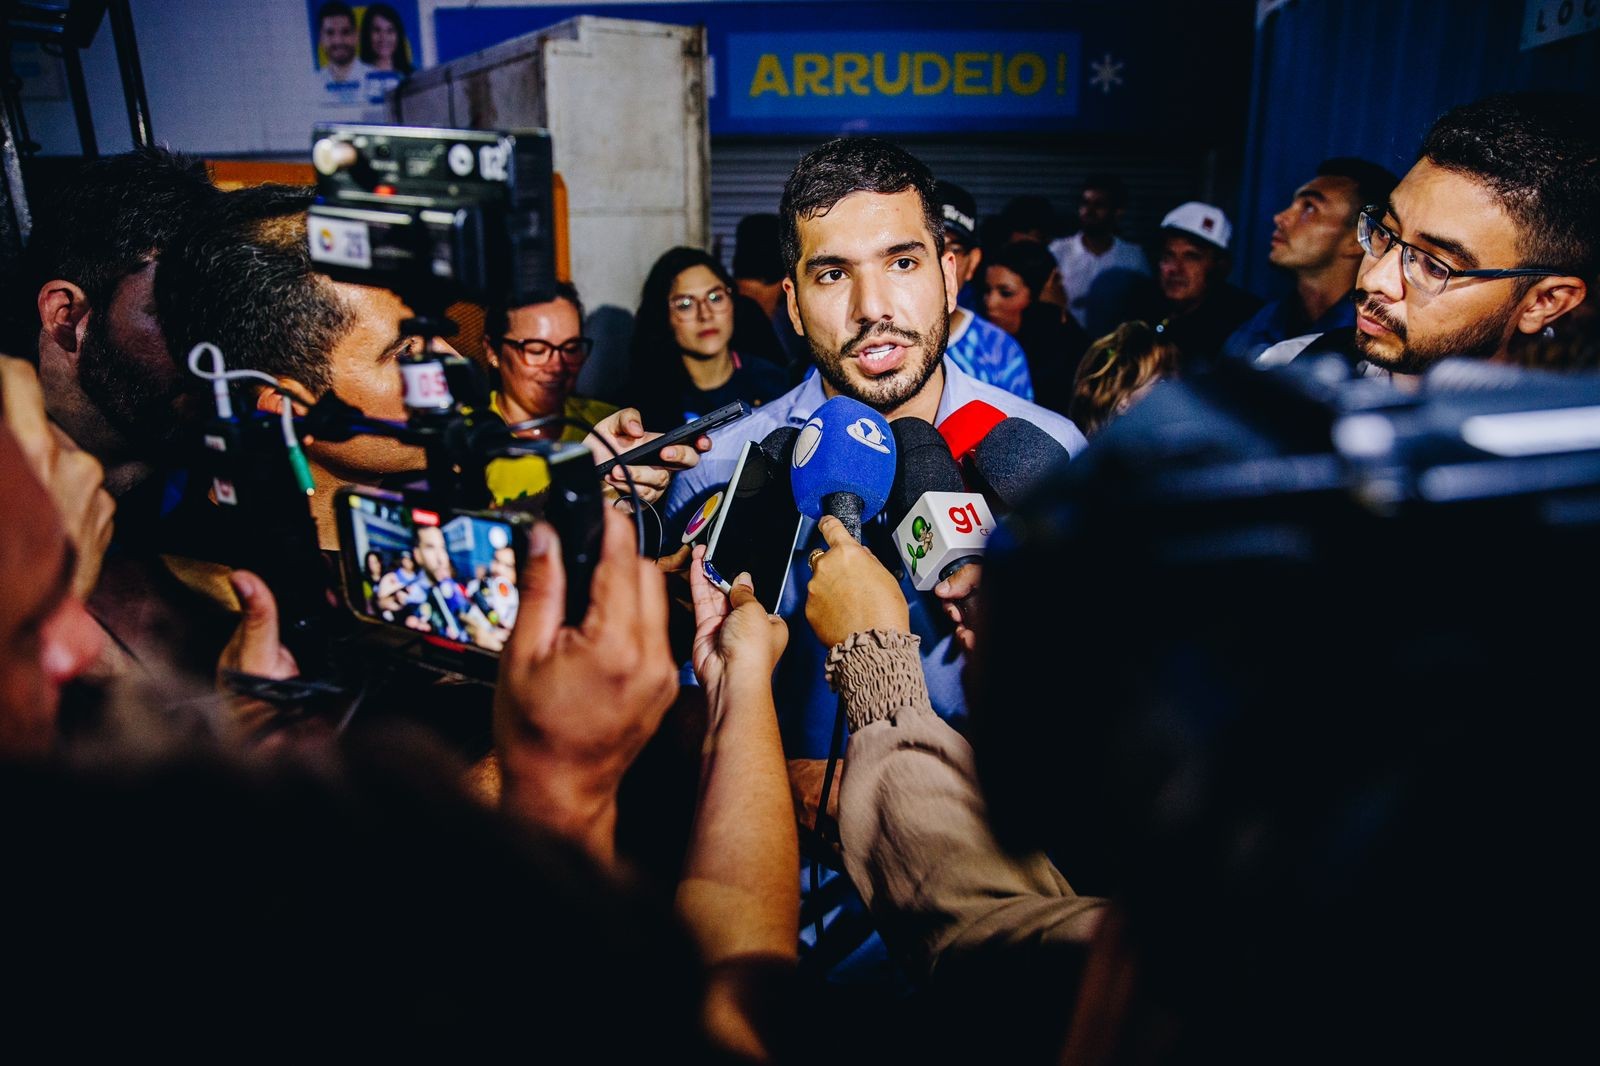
{"x":717,"y":301}
{"x":533,"y":351}
{"x":1422,"y":270}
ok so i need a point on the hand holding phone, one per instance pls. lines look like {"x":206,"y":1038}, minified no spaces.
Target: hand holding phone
{"x":574,"y":705}
{"x":755,"y":529}
{"x":649,"y":453}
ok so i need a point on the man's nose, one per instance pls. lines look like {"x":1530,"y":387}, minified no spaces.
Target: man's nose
{"x":1382,"y":275}
{"x":870,"y":299}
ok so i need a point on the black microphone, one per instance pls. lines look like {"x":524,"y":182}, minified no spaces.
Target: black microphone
{"x":1014,"y":459}
{"x":778,"y":447}
{"x":940,"y":526}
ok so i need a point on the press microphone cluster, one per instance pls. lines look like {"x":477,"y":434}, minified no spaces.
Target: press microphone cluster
{"x":947,"y":517}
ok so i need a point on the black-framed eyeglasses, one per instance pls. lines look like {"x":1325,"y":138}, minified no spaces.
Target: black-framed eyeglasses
{"x":1422,"y":269}
{"x":717,"y":300}
{"x":534,"y":351}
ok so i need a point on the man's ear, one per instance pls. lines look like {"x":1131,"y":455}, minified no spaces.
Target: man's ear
{"x":1350,"y":247}
{"x":488,"y":352}
{"x":63,"y":313}
{"x":974,"y":264}
{"x":952,"y":284}
{"x":271,"y":400}
{"x":1549,"y":300}
{"x":793,"y":302}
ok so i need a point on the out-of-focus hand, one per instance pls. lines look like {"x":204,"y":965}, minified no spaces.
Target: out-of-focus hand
{"x":625,"y":430}
{"x":805,"y":789}
{"x":676,"y":563}
{"x":254,"y":647}
{"x":574,"y":706}
{"x":484,"y":633}
{"x":850,"y":591}
{"x":733,"y":633}
{"x":959,"y":594}
{"x":73,"y":477}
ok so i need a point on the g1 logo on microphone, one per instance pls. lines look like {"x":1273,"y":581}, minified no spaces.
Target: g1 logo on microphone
{"x":866,"y":431}
{"x":966,"y":520}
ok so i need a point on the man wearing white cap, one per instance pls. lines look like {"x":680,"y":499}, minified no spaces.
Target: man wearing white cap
{"x":1198,"y":308}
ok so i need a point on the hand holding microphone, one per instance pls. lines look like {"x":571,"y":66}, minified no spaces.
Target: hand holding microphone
{"x":959,"y":592}
{"x":850,"y":591}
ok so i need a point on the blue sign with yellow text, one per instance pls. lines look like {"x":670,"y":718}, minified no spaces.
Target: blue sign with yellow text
{"x":905,"y":76}
{"x":934,"y":66}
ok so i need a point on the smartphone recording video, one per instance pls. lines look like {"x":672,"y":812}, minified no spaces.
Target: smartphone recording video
{"x":447,"y":576}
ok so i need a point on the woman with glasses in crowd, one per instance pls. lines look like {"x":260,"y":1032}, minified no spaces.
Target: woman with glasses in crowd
{"x":536,"y":352}
{"x":683,"y":363}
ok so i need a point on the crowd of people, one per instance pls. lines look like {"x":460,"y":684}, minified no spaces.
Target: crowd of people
{"x":609,"y":840}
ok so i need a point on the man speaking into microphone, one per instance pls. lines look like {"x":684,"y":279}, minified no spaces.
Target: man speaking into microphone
{"x":871,"y":288}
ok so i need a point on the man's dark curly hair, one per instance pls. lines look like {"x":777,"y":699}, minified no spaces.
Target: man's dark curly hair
{"x":853,"y":164}
{"x":1539,"y":154}
{"x":101,"y":225}
{"x":241,"y":276}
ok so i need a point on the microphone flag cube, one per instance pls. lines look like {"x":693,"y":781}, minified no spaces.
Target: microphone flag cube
{"x":942,"y":529}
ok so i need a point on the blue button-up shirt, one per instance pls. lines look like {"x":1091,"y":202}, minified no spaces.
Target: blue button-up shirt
{"x":1282,"y":319}
{"x":805,"y":704}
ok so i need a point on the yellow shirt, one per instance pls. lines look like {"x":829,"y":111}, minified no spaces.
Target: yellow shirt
{"x":527,"y":475}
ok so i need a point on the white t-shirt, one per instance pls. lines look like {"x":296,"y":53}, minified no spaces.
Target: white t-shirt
{"x":348,"y":91}
{"x":1079,"y":268}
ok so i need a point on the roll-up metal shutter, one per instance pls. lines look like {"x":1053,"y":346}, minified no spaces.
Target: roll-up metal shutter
{"x":747,"y":176}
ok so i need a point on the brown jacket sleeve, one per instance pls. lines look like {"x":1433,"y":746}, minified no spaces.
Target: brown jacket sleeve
{"x":914,"y":827}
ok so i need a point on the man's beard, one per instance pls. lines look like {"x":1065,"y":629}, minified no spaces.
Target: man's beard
{"x":1476,"y":340}
{"x":890,"y":391}
{"x":138,"y":405}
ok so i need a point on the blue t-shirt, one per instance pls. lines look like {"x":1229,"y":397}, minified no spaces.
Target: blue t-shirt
{"x":806,"y":705}
{"x":990,"y":354}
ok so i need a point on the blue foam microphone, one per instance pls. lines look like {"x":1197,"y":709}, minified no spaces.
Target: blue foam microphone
{"x":844,"y":461}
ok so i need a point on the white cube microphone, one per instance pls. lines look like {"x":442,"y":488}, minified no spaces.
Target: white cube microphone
{"x":942,"y":532}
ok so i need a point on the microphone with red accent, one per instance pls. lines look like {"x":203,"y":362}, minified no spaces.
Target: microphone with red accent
{"x":844,"y":463}
{"x":967,"y":425}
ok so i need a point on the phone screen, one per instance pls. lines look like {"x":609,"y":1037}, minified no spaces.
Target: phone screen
{"x":756,"y":529}
{"x":449,"y":576}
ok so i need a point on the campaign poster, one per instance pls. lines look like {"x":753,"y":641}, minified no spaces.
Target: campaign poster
{"x":359,"y":52}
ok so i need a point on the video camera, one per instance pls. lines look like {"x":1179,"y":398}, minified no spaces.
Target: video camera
{"x":436,"y":216}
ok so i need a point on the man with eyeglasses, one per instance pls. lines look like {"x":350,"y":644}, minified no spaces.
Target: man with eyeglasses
{"x":1493,"y":233}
